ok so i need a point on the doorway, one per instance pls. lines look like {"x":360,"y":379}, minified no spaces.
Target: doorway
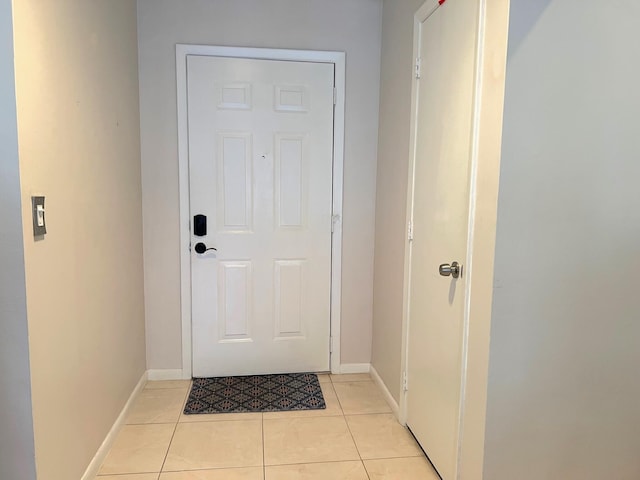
{"x":440,"y":203}
{"x":261,"y":141}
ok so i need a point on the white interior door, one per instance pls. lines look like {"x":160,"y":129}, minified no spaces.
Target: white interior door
{"x":444,"y":112}
{"x":260,"y":167}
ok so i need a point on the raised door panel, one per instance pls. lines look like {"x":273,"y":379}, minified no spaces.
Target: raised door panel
{"x":235,"y":316}
{"x":235,"y":182}
{"x":288,"y":291}
{"x":290,"y":181}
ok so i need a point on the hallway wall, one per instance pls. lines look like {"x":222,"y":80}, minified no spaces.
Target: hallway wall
{"x":17,"y":458}
{"x":564,"y":395}
{"x":78,"y":125}
{"x":352,"y":26}
{"x":391,"y":193}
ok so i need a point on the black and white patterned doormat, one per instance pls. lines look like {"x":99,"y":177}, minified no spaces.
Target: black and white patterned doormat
{"x":255,"y":393}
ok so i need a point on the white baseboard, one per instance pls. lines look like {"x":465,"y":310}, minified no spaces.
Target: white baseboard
{"x":165,"y":374}
{"x":355,"y":368}
{"x":385,"y":391}
{"x":101,"y":454}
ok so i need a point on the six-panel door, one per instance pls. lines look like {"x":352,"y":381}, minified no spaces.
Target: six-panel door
{"x":260,"y":160}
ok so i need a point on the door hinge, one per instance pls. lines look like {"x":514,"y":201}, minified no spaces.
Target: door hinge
{"x":335,"y":96}
{"x":405,"y":382}
{"x":418,"y":66}
{"x":335,"y":219}
{"x":410,"y":232}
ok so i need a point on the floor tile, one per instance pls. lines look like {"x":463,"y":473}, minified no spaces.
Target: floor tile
{"x":250,"y":473}
{"x":157,"y":406}
{"x":381,"y":436}
{"x":330,"y":398}
{"x":307,"y":440}
{"x":351,"y":377}
{"x":138,"y":448}
{"x":361,"y":397}
{"x":135,"y":476}
{"x":153,"y":384}
{"x":318,"y":471}
{"x":219,"y":417}
{"x":414,"y":468}
{"x":215,"y":445}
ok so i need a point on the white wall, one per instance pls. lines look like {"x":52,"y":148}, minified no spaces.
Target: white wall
{"x":396,"y":75}
{"x":353,"y":27}
{"x":564,"y":394}
{"x":17,"y":457}
{"x":78,"y":129}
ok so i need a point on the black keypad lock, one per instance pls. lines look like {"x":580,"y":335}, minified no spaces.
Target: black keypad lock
{"x":200,"y":225}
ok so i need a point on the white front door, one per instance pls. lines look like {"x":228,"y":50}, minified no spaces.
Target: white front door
{"x":444,"y":116}
{"x":260,"y":167}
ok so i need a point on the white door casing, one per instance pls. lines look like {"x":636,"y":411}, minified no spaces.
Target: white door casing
{"x":439,"y":216}
{"x":260,"y":156}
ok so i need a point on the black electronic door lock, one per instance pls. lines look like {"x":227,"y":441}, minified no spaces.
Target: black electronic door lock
{"x":200,"y":225}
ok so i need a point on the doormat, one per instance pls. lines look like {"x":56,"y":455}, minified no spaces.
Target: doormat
{"x":255,"y":393}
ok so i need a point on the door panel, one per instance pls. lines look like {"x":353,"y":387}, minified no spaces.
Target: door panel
{"x":234,"y":309}
{"x":290,"y":188}
{"x":260,"y":166}
{"x":235,"y":184}
{"x":444,"y":112}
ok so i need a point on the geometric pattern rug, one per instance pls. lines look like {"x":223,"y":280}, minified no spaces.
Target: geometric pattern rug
{"x":255,"y":393}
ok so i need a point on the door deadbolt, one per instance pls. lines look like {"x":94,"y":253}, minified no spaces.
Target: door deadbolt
{"x":454,"y":270}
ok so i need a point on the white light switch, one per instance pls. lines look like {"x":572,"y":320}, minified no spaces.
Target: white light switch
{"x":40,"y":215}
{"x":39,"y":223}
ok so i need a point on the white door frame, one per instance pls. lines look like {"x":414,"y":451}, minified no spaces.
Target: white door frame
{"x":490,"y":72}
{"x":336,"y":58}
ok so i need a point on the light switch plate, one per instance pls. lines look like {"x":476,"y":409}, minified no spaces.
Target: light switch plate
{"x":39,"y":224}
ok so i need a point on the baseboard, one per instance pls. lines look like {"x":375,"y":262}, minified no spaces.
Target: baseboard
{"x":96,"y":462}
{"x":355,"y":368}
{"x":165,"y":374}
{"x":385,"y":391}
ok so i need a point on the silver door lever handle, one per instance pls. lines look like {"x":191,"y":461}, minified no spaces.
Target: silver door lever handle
{"x":452,"y":270}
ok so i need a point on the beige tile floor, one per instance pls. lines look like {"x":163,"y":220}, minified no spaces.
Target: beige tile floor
{"x":355,"y":438}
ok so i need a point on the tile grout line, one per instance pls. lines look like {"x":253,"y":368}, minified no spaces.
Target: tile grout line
{"x":175,"y":428}
{"x":164,"y":460}
{"x":404,"y":457}
{"x":366,"y":470}
{"x":338,"y":400}
{"x":344,"y":416}
{"x":349,"y":427}
{"x":357,"y":449}
{"x":153,"y":391}
{"x":199,"y":469}
{"x":316,"y":462}
{"x":150,"y":423}
{"x":162,"y":389}
{"x":354,"y":440}
{"x":103,"y":475}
